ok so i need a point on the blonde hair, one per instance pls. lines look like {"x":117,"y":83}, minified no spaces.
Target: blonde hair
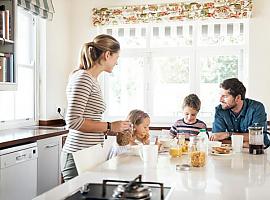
{"x":91,"y":52}
{"x":136,"y":117}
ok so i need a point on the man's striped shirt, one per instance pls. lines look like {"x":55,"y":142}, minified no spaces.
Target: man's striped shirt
{"x":85,"y":101}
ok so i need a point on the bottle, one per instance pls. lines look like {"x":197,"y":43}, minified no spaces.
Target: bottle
{"x":204,"y":135}
{"x":197,"y":151}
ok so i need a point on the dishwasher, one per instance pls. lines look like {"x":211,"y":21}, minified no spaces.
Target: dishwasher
{"x":18,"y":172}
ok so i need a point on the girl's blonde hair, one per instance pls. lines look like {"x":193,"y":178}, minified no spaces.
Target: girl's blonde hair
{"x":92,"y":51}
{"x":136,"y":117}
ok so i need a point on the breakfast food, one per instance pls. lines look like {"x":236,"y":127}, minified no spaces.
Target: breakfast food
{"x":123,"y":138}
{"x":185,"y":147}
{"x":221,"y":150}
{"x":175,"y":152}
{"x":197,"y":158}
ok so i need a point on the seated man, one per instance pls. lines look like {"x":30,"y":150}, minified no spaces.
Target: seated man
{"x":236,"y":113}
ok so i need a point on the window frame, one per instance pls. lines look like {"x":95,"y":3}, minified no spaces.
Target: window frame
{"x":5,"y":124}
{"x":195,"y":51}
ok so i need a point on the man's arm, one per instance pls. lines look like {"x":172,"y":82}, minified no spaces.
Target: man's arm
{"x":260,"y":117}
{"x":219,"y":127}
{"x":219,"y":136}
{"x":225,"y":135}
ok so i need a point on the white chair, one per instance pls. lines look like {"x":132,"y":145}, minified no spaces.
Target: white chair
{"x":108,"y":144}
{"x":88,"y":158}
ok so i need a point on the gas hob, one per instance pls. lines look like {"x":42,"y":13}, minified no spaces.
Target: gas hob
{"x":118,"y":189}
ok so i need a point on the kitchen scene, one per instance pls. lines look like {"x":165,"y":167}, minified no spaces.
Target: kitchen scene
{"x":117,"y":99}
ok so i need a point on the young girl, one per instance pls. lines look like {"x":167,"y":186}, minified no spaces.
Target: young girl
{"x":189,"y":125}
{"x":141,"y":122}
{"x":139,"y":135}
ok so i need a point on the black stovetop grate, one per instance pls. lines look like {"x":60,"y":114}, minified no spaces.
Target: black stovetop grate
{"x":95,"y":191}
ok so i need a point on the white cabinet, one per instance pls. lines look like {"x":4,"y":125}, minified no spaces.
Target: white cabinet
{"x":18,"y":172}
{"x":49,"y":174}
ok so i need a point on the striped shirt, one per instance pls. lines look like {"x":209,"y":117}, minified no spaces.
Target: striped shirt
{"x":85,"y":101}
{"x":180,"y":127}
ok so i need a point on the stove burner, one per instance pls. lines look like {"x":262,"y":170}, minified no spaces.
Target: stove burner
{"x":133,"y":191}
{"x":120,"y":190}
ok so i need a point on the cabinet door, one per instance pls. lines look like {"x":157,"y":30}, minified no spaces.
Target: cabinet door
{"x":48,"y":163}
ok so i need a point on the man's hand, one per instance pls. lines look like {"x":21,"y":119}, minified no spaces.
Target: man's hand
{"x":219,"y":136}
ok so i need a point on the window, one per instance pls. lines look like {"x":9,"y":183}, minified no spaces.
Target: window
{"x":162,"y":63}
{"x":19,"y":106}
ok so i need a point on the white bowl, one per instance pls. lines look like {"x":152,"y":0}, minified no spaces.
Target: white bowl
{"x":212,"y":144}
{"x":135,"y":150}
{"x":165,"y":142}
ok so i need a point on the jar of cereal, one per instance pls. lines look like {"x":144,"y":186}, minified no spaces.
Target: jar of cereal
{"x":197,"y":151}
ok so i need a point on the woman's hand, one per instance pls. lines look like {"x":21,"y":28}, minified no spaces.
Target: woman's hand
{"x":120,"y":126}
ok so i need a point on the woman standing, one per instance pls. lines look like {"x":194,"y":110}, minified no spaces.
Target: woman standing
{"x":85,"y":102}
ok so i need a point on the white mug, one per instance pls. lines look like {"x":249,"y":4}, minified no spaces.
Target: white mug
{"x":149,"y":155}
{"x":237,"y":143}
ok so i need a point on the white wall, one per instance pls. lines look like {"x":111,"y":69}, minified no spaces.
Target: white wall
{"x":58,"y":61}
{"x":71,"y":27}
{"x":82,"y":29}
{"x":259,"y":72}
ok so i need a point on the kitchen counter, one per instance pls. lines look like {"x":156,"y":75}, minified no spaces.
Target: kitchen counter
{"x":24,"y":135}
{"x":235,"y":176}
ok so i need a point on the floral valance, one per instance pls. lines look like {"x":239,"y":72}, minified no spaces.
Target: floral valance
{"x":217,"y":9}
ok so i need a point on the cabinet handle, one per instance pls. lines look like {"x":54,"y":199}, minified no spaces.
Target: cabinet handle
{"x":20,"y":157}
{"x":50,"y":146}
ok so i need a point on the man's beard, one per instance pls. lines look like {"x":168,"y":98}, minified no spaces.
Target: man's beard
{"x":227,"y":107}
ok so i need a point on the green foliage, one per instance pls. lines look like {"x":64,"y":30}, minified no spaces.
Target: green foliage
{"x":174,"y":70}
{"x":216,"y":69}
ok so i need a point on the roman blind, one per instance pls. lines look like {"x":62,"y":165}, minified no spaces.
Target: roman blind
{"x":42,"y":8}
{"x":153,"y":13}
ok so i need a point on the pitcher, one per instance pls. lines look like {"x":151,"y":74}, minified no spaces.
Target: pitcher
{"x":256,"y":136}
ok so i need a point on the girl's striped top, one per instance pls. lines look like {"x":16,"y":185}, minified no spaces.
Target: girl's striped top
{"x":180,"y":127}
{"x":85,"y":101}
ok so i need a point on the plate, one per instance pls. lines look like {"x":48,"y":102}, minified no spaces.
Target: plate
{"x":221,"y":154}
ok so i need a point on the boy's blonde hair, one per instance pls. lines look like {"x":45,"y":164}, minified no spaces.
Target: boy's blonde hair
{"x":192,"y":101}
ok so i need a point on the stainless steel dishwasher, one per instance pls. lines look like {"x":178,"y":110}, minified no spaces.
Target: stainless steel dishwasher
{"x":18,"y":172}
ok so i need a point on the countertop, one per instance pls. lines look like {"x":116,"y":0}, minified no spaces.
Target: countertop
{"x":23,"y":135}
{"x":235,"y":176}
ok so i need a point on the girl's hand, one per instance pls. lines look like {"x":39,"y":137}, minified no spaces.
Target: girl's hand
{"x":146,"y":139}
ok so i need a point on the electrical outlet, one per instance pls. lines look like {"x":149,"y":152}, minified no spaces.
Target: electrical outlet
{"x":60,"y":111}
